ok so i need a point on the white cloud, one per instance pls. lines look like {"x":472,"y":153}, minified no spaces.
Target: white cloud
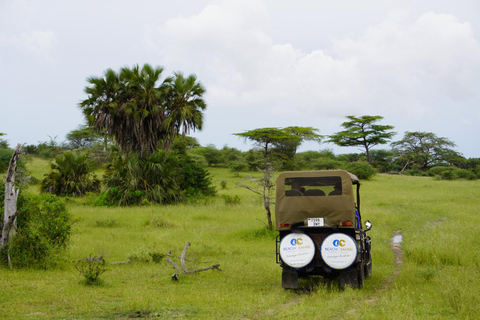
{"x":18,"y":35}
{"x":391,"y":68}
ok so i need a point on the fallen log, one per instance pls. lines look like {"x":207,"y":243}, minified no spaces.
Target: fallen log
{"x":184,"y":269}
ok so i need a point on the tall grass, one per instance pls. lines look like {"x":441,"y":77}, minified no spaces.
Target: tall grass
{"x":438,"y":278}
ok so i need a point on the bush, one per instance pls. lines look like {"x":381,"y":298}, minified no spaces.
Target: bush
{"x":91,"y":268}
{"x":5,"y":156}
{"x":363,"y":170}
{"x":236,"y":167}
{"x":43,"y":230}
{"x":231,"y":200}
{"x":71,"y":174}
{"x":452,"y":173}
{"x":326,"y":164}
{"x":160,"y":178}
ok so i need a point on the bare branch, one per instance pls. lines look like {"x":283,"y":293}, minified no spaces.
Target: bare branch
{"x":182,"y":259}
{"x":249,"y":188}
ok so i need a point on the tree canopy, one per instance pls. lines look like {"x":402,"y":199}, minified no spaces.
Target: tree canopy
{"x":140,"y":110}
{"x":424,"y":149}
{"x":292,"y":137}
{"x":363,"y":131}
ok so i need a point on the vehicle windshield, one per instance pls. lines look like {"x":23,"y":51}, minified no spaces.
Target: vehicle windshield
{"x":313,"y":186}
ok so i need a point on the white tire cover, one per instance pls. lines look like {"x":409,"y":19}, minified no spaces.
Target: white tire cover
{"x":297,"y":250}
{"x":339,"y":251}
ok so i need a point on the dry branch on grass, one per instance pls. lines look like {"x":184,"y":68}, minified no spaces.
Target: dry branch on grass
{"x":184,"y":269}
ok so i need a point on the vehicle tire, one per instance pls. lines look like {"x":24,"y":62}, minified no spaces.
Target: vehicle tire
{"x":361,"y":274}
{"x":368,"y":267}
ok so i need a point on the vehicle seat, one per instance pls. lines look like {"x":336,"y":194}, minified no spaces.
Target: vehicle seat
{"x":293,"y":193}
{"x":335,"y":192}
{"x":314,"y":192}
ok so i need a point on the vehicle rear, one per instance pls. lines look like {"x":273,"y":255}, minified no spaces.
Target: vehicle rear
{"x":320,"y":230}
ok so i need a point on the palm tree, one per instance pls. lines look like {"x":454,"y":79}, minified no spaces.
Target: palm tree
{"x":140,"y":111}
{"x":128,"y":106}
{"x":183,"y":108}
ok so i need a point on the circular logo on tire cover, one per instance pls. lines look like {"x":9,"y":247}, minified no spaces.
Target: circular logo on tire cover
{"x":297,"y":250}
{"x":339,"y":251}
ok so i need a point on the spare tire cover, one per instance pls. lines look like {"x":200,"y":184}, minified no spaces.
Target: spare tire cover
{"x":297,"y":250}
{"x":338,"y":251}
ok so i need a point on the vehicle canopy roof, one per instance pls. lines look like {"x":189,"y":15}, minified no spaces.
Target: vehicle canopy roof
{"x":325,"y":194}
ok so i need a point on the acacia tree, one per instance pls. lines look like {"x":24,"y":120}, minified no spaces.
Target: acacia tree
{"x":140,"y":111}
{"x":363,"y":131}
{"x":425,"y":149}
{"x":286,"y":139}
{"x":281,"y":138}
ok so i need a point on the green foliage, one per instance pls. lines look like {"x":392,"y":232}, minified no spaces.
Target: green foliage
{"x":160,"y":178}
{"x":223,"y":184}
{"x":3,"y":142}
{"x":254,"y":159}
{"x":5,"y":156}
{"x":91,"y":268}
{"x":326,"y":164}
{"x":44,"y":227}
{"x":285,"y":141}
{"x":71,"y":175}
{"x":141,"y":112}
{"x":363,"y":131}
{"x":363,"y":170}
{"x":83,"y":137}
{"x":46,"y":149}
{"x":231,"y":200}
{"x":236,"y":167}
{"x":452,"y":173}
{"x":424,"y":149}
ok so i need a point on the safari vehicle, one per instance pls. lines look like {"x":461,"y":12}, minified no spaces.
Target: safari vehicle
{"x":320,"y":228}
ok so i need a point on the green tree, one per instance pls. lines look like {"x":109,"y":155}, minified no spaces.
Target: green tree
{"x":140,"y":111}
{"x":363,"y":131}
{"x":183,"y":107}
{"x":82,"y":137}
{"x":424,"y":149}
{"x":3,"y":142}
{"x":284,"y":141}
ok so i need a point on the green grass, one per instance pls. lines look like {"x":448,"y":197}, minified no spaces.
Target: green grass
{"x":439,"y":277}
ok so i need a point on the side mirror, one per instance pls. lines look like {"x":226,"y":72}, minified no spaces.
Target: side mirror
{"x":368,"y":224}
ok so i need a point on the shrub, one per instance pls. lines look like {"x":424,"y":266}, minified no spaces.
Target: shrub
{"x":5,"y":156}
{"x":231,"y":200}
{"x":236,"y":167}
{"x":325,"y":164}
{"x":43,"y":230}
{"x":91,"y":268}
{"x":71,"y":174}
{"x":362,"y":169}
{"x":158,"y":178}
{"x":452,"y":173}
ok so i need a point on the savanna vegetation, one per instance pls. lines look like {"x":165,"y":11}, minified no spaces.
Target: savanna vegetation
{"x":103,"y":216}
{"x":436,"y":276}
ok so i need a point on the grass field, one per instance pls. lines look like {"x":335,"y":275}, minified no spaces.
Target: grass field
{"x":436,"y":276}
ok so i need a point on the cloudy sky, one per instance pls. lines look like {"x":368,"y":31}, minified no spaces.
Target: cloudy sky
{"x":264,"y":63}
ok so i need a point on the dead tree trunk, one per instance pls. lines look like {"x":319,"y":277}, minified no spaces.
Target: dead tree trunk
{"x":11,"y":194}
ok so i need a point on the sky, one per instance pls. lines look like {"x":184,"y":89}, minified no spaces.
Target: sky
{"x":264,"y":63}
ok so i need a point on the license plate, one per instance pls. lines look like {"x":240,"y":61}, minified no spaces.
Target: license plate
{"x":315,"y":222}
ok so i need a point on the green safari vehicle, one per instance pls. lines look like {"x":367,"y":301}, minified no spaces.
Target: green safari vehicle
{"x":320,"y":228}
